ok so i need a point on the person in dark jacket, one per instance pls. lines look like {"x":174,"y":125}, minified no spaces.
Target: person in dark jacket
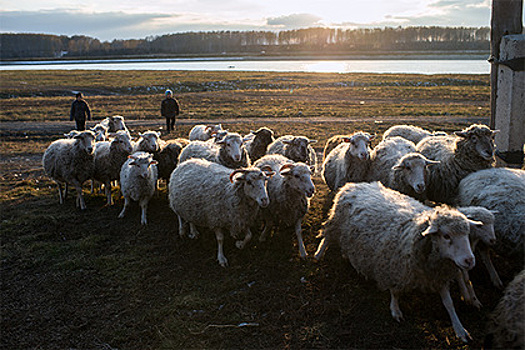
{"x":79,"y":111}
{"x":169,"y":109}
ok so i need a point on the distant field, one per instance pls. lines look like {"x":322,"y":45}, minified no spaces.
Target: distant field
{"x":74,"y":279}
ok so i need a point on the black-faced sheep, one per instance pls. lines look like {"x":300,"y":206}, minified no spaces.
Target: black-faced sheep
{"x":349,"y":161}
{"x":71,"y":161}
{"x":210,"y":195}
{"x":167,"y":158}
{"x":204,"y":132}
{"x":257,"y":142}
{"x":400,"y":243}
{"x":138,"y":181}
{"x":289,"y":191}
{"x":469,"y":151}
{"x":501,"y":190}
{"x":296,"y":148}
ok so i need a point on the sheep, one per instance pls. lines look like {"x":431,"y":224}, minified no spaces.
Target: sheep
{"x":469,"y":151}
{"x":501,"y":190}
{"x":138,"y":181}
{"x":334,"y":141}
{"x":506,"y":325}
{"x":296,"y":148}
{"x":148,"y":141}
{"x":349,"y":161}
{"x":395,"y":162}
{"x":101,"y":132}
{"x":208,"y":194}
{"x":400,"y":243}
{"x":410,"y":132}
{"x":167,"y":158}
{"x":230,"y":151}
{"x":71,"y":134}
{"x":71,"y":161}
{"x":109,"y":157}
{"x":289,"y":192}
{"x":204,"y":132}
{"x":480,"y":239}
{"x":257,"y":142}
{"x":114,"y":124}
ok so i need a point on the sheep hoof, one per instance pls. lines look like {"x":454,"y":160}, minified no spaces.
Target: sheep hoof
{"x":476,"y":303}
{"x":223,"y":262}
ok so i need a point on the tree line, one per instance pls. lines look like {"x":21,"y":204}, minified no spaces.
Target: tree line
{"x":310,"y":40}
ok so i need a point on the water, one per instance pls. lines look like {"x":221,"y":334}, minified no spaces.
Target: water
{"x":416,"y":66}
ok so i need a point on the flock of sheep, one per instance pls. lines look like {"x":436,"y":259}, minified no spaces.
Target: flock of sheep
{"x":409,"y":213}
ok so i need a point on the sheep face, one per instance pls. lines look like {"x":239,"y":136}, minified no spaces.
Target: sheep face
{"x":297,"y":148}
{"x":142,"y":163}
{"x":299,"y":176}
{"x":86,"y":141}
{"x":211,"y":130}
{"x":118,"y":123}
{"x":264,"y":136}
{"x":150,"y":141}
{"x":122,"y":140}
{"x":413,"y":169}
{"x":232,"y":144}
{"x":484,"y":232}
{"x":359,"y":145}
{"x":253,"y":183}
{"x":479,"y":139}
{"x":449,"y":231}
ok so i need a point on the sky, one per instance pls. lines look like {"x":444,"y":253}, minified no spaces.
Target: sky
{"x":137,"y":19}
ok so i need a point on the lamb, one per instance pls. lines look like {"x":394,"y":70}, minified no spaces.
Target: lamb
{"x":114,"y":124}
{"x":101,"y":132}
{"x":336,"y":140}
{"x":71,"y":161}
{"x":349,"y":161}
{"x":481,"y":238}
{"x":507,"y":322}
{"x":400,"y":243}
{"x":204,"y":132}
{"x":148,"y":141}
{"x":469,"y":151}
{"x":501,"y":190}
{"x":229,"y":152}
{"x":109,"y":157}
{"x":296,"y":148}
{"x":257,"y":142}
{"x":289,"y":191}
{"x":208,"y":194}
{"x":167,"y":158}
{"x":395,"y":162}
{"x":138,"y":181}
{"x":410,"y":132}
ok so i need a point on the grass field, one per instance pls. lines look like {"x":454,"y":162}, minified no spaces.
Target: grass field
{"x":87,"y":280}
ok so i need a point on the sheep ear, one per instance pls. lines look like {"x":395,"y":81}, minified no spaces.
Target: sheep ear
{"x":238,"y":178}
{"x":495,"y":132}
{"x":460,"y":133}
{"x":285,"y":169}
{"x":78,"y":136}
{"x":432,"y":229}
{"x":494,"y":212}
{"x":268,"y":171}
{"x":346,"y":139}
{"x":432,"y":162}
{"x":312,"y":141}
{"x":372,"y":137}
{"x":398,"y":167}
{"x":208,"y":128}
{"x":288,"y":142}
{"x":153,"y":162}
{"x":474,"y":223}
{"x":219,"y":142}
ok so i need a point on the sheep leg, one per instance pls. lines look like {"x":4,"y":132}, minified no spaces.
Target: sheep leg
{"x":319,"y":253}
{"x":241,"y":244}
{"x":300,"y":243}
{"x":194,"y":233}
{"x":267,"y":228}
{"x":80,"y":196}
{"x":182,"y":227}
{"x":107,"y":190}
{"x":126,"y":204}
{"x":220,"y":253}
{"x":394,"y":306}
{"x":66,"y":188}
{"x":92,"y":189}
{"x":60,"y":196}
{"x":467,"y":290}
{"x":143,"y":208}
{"x":461,"y":332}
{"x":484,"y":255}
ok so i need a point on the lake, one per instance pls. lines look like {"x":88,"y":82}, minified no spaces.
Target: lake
{"x":416,"y":66}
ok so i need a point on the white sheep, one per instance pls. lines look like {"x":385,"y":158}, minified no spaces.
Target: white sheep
{"x":109,"y":158}
{"x":229,"y":151}
{"x":501,"y":190}
{"x":204,"y":132}
{"x":506,"y":326}
{"x":410,"y":132}
{"x":257,"y":142}
{"x":289,"y":191}
{"x":71,"y":161}
{"x":148,"y":141}
{"x":210,"y":195}
{"x":296,"y":148}
{"x":469,"y":151}
{"x":400,"y":243}
{"x":101,"y":132}
{"x":114,"y":124}
{"x":349,"y":161}
{"x":481,"y":238}
{"x":138,"y":181}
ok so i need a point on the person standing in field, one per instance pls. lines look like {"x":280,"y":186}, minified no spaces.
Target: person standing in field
{"x":79,"y":111}
{"x":170,"y":110}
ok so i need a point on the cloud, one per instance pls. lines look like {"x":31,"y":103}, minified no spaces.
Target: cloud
{"x":297,"y":20}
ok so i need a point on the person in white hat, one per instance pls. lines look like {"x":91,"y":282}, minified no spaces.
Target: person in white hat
{"x":170,"y":110}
